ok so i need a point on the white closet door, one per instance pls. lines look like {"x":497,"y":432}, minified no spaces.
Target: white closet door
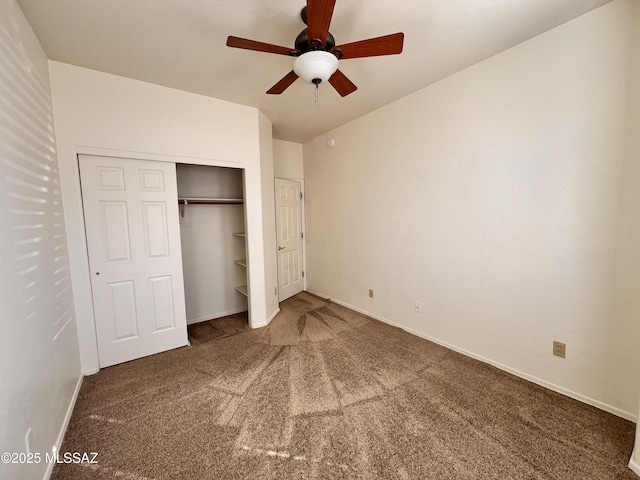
{"x":133,"y":238}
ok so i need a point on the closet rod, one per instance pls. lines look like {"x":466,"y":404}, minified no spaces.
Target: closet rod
{"x":184,"y":201}
{"x":210,"y":201}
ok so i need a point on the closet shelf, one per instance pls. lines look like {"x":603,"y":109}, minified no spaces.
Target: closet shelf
{"x":242,"y":262}
{"x":209,"y":201}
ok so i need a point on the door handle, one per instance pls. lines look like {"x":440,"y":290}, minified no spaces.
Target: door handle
{"x":281,"y":248}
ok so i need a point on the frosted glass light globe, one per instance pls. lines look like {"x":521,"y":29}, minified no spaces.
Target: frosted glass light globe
{"x":316,"y":64}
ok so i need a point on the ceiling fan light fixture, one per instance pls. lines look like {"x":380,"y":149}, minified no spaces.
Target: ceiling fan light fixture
{"x":315,"y":66}
{"x":317,"y":53}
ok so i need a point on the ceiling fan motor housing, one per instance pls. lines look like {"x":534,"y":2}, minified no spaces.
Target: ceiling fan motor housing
{"x":305,"y":45}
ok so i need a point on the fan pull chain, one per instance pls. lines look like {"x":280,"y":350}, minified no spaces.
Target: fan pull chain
{"x":316,"y":99}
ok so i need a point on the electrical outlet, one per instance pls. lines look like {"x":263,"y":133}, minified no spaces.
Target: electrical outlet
{"x":417,"y":307}
{"x":370,"y":293}
{"x":559,"y":349}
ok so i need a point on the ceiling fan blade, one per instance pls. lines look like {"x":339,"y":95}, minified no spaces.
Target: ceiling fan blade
{"x":283,"y":84}
{"x":238,"y":42}
{"x":342,"y":84}
{"x":319,"y":14}
{"x":372,"y":47}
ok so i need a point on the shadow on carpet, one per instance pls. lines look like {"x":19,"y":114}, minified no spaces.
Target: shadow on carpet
{"x":324,"y":392}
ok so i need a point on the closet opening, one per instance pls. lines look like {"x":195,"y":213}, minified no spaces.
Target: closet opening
{"x":212,"y":231}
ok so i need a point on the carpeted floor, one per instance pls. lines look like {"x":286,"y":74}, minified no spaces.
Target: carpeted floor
{"x":327,"y":393}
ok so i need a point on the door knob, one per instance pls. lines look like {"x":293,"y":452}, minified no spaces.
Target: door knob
{"x":281,"y":248}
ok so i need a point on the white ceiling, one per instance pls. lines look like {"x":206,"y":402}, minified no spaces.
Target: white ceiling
{"x":181,"y":44}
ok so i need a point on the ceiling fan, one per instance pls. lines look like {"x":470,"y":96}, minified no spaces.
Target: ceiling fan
{"x":317,"y":53}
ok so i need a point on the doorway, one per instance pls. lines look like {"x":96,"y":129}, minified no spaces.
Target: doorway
{"x":139,"y":217}
{"x":289,"y":235}
{"x":212,"y":229}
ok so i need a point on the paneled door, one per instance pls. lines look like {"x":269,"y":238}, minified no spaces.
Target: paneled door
{"x":133,"y":237}
{"x":289,"y":232}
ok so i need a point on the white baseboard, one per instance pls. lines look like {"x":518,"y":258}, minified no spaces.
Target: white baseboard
{"x":216,"y":315}
{"x":551,"y":386}
{"x":633,"y":465}
{"x":65,"y":425}
{"x":273,"y":315}
{"x":264,"y":324}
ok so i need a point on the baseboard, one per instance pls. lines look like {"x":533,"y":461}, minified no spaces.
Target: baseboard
{"x":216,"y":315}
{"x":65,"y":425}
{"x":273,"y":315}
{"x":634,"y":465}
{"x":538,"y":381}
{"x":264,"y":324}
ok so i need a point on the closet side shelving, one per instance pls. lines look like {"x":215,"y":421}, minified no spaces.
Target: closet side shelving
{"x":243,"y":263}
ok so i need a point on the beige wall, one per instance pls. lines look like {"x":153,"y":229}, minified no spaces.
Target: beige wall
{"x":287,"y":160}
{"x":270,"y":260}
{"x":629,"y":276}
{"x":39,"y":359}
{"x":97,"y":113}
{"x":504,"y":199}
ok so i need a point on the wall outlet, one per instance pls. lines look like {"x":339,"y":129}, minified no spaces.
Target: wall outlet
{"x":370,"y":293}
{"x":417,"y":307}
{"x":559,"y":349}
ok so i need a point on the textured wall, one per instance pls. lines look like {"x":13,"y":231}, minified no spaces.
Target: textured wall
{"x":39,"y":360}
{"x":500,"y":198}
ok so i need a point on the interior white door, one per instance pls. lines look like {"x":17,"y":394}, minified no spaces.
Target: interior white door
{"x":289,"y":231}
{"x":133,"y":237}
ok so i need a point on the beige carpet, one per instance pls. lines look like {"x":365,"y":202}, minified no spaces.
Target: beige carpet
{"x":325,"y":392}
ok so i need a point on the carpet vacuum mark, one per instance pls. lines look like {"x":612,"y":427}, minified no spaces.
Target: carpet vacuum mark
{"x":324,"y":392}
